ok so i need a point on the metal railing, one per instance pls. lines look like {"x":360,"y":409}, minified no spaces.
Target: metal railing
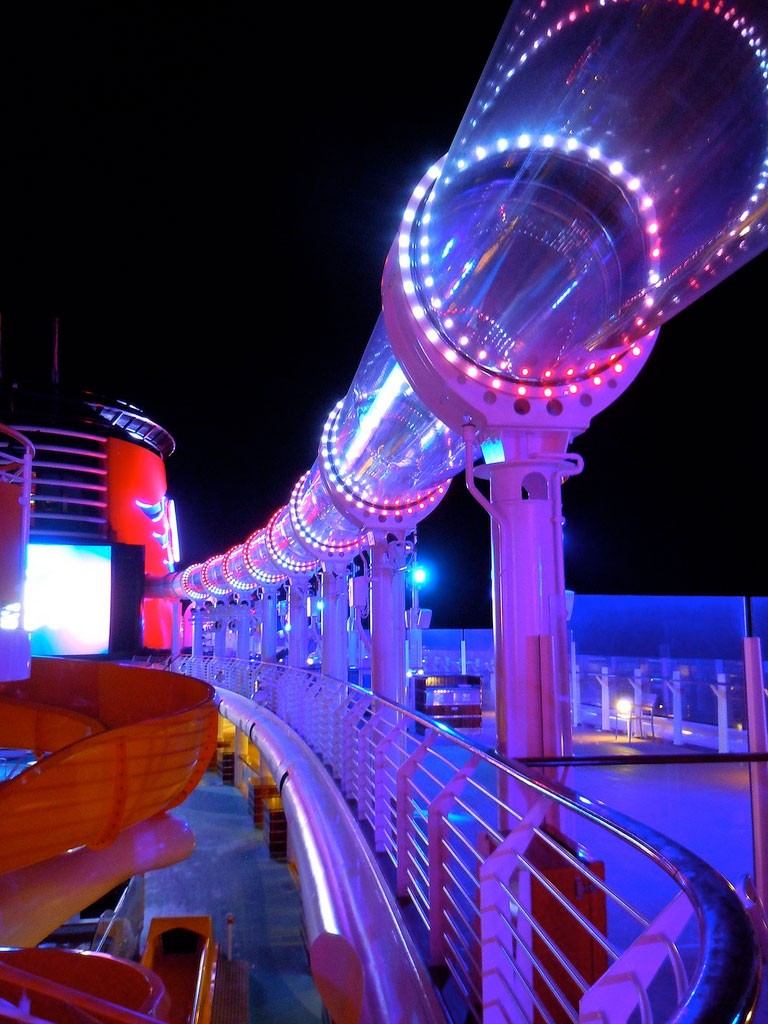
{"x":528,"y":901}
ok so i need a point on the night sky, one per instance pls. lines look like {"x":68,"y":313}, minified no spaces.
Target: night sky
{"x":203,"y":201}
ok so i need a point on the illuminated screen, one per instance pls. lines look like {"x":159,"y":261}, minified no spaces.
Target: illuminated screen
{"x":67,"y":598}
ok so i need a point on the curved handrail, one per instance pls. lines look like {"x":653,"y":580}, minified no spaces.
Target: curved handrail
{"x":382,"y":754}
{"x":14,"y":463}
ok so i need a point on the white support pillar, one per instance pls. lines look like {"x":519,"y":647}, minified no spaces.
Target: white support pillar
{"x":176,"y":629}
{"x":333,"y":620}
{"x":675,"y":687}
{"x":533,"y":701}
{"x":354,"y":644}
{"x":269,"y":623}
{"x":298,"y":636}
{"x":231,"y":627}
{"x":358,"y":638}
{"x":220,"y":630}
{"x":605,"y":699}
{"x":721,"y":696}
{"x":243,"y":620}
{"x":198,"y":617}
{"x":388,"y":618}
{"x":576,"y":711}
{"x":257,"y":618}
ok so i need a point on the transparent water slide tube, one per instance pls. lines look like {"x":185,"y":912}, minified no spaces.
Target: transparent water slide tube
{"x":385,"y":457}
{"x":242,"y":569}
{"x":609,"y":170}
{"x":384,"y":462}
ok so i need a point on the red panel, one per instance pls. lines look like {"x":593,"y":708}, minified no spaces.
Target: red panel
{"x":158,"y":623}
{"x":137,"y":514}
{"x":136,"y":500}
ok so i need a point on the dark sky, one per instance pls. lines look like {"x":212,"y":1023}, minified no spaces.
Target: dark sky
{"x":204,"y":199}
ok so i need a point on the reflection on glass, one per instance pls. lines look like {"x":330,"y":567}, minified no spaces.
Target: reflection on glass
{"x":610,"y":168}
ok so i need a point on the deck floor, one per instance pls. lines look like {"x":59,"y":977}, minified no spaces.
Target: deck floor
{"x":263,"y":974}
{"x":267,"y":980}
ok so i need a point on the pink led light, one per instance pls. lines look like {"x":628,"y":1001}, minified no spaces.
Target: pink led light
{"x":283,"y":558}
{"x":193,"y":592}
{"x":572,"y":149}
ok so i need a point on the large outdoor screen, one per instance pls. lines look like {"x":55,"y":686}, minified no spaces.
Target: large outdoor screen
{"x":68,"y":598}
{"x":84,"y":600}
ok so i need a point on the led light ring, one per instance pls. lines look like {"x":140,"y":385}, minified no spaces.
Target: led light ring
{"x":726,"y":11}
{"x":407,"y":507}
{"x":205,"y":572}
{"x":270,"y":578}
{"x":412,"y":270}
{"x":291,"y":565}
{"x":735,"y":20}
{"x":259,"y":573}
{"x":313,"y":542}
{"x":194,"y":593}
{"x":717,"y":8}
{"x":329,"y":463}
{"x":230,"y":575}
